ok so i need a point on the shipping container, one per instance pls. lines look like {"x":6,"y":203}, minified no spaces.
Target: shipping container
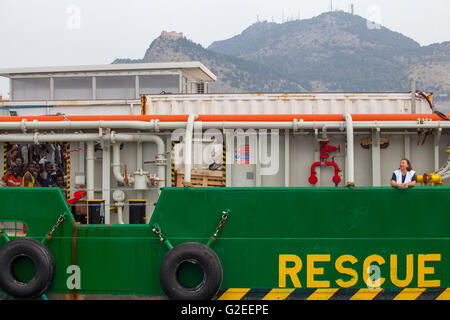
{"x":286,"y":103}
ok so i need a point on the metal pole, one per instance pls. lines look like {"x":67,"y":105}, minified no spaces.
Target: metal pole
{"x":106,"y":180}
{"x":413,"y":97}
{"x":350,"y":150}
{"x":94,"y":88}
{"x":154,"y":125}
{"x":229,"y":145}
{"x":258,"y":161}
{"x":286,"y":158}
{"x":437,"y":139}
{"x":90,"y":170}
{"x":136,"y":87}
{"x":376,"y":159}
{"x":52,"y":88}
{"x":407,"y":145}
{"x":188,"y":148}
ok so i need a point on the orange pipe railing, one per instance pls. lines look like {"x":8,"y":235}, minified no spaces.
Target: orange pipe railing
{"x":232,"y":117}
{"x":162,"y":118}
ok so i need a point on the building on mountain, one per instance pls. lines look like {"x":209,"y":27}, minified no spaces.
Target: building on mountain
{"x":171,"y":35}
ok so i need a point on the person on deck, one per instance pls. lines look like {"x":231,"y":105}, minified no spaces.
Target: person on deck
{"x":13,"y":179}
{"x":28,"y":177}
{"x":405,"y":177}
{"x":47,"y":176}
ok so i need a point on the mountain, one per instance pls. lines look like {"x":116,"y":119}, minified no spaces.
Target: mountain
{"x":233,"y":74}
{"x":430,"y":67}
{"x":336,"y":30}
{"x":335,"y":51}
{"x":338,"y":51}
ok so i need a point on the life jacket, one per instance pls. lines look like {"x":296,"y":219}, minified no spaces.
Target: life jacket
{"x":14,"y":182}
{"x":409,"y":175}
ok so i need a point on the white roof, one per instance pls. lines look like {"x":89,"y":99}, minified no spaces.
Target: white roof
{"x":193,"y":69}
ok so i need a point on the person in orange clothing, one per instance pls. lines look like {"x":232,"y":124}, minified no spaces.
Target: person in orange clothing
{"x":13,"y":179}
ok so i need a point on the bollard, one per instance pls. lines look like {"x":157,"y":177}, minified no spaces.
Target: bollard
{"x":137,"y":211}
{"x":96,"y":211}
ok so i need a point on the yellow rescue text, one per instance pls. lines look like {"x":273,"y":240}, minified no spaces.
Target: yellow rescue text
{"x":345,"y":271}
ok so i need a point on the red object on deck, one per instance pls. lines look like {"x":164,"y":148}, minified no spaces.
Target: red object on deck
{"x":76,"y":197}
{"x":325,"y":149}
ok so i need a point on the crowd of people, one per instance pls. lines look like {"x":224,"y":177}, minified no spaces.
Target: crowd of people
{"x":29,"y":165}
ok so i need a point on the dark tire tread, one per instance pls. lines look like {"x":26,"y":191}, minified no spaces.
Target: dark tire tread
{"x":44,"y":264}
{"x":197,"y":253}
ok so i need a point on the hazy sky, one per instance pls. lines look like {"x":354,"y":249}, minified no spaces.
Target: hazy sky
{"x":61,"y":32}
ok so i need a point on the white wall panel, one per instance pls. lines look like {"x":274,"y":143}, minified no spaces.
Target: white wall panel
{"x":116,"y":87}
{"x":73,"y":88}
{"x":30,"y":89}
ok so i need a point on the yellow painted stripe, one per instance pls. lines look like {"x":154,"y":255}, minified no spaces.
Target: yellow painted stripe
{"x":278,"y":294}
{"x":234,"y":294}
{"x":409,"y":294}
{"x":444,"y":295}
{"x":322,"y":294}
{"x":366,"y":294}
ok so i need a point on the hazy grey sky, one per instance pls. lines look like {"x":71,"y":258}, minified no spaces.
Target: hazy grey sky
{"x":61,"y":32}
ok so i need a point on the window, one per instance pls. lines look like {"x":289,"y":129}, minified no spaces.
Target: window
{"x":156,"y":84}
{"x":201,"y":87}
{"x":73,"y":88}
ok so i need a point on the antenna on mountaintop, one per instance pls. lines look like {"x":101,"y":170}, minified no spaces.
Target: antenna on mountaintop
{"x":331,"y":5}
{"x":352,"y":7}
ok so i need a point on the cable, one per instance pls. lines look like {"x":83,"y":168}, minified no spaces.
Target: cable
{"x":440,"y":114}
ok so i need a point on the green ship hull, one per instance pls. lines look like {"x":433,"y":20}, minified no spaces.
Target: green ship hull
{"x":276,"y":243}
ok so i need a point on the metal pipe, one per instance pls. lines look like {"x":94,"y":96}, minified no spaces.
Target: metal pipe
{"x":77,"y":125}
{"x":402,"y":125}
{"x":160,"y":152}
{"x":139,"y":156}
{"x":376,"y":158}
{"x":119,"y":206}
{"x":319,"y":125}
{"x":90,"y":170}
{"x":116,"y":164}
{"x":106,"y":179}
{"x":40,"y":137}
{"x":286,"y":158}
{"x":350,"y":150}
{"x":90,"y":138}
{"x":445,"y":176}
{"x":223,"y":117}
{"x":120,"y":137}
{"x":258,"y":161}
{"x":445,"y":167}
{"x":155,"y":125}
{"x":188,"y":148}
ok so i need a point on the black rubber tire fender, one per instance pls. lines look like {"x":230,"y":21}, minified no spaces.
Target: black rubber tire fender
{"x":195,"y":253}
{"x":44,"y":263}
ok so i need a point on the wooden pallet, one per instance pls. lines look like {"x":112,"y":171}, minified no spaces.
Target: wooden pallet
{"x":200,"y":178}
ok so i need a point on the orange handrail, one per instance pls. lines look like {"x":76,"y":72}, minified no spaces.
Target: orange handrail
{"x":231,"y":117}
{"x":162,"y":118}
